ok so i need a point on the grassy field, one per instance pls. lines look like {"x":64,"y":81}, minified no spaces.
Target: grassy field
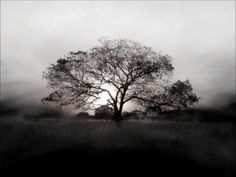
{"x":70,"y":145}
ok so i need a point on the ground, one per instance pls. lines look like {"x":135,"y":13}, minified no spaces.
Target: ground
{"x":59,"y":146}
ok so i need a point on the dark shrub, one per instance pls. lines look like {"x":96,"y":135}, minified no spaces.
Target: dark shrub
{"x":104,"y":112}
{"x":83,"y":115}
{"x":139,"y":114}
{"x":136,"y":114}
{"x":152,"y":112}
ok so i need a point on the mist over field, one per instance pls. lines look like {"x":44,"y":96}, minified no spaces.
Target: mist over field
{"x":39,"y":139}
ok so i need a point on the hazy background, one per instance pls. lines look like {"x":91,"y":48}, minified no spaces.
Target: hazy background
{"x":200,"y":36}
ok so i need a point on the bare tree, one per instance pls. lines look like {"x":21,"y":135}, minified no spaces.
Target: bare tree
{"x":124,"y":69}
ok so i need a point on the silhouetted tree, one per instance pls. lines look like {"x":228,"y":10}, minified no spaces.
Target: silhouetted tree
{"x":124,"y":69}
{"x":179,"y":95}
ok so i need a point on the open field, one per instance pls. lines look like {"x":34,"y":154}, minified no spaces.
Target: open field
{"x":163,"y":147}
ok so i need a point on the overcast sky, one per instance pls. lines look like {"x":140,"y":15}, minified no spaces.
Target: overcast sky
{"x":200,"y":36}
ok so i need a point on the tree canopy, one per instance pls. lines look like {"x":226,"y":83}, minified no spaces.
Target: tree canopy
{"x":133,"y":72}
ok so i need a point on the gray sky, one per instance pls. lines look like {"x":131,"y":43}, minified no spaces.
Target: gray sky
{"x":200,"y":36}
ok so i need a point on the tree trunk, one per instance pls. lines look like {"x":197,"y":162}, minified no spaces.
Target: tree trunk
{"x":160,"y":110}
{"x":118,"y":110}
{"x":117,"y":116}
